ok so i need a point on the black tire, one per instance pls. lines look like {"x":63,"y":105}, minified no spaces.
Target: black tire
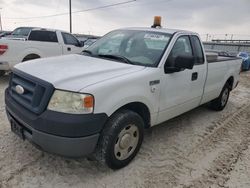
{"x":220,"y":103}
{"x":119,"y":122}
{"x":2,"y":72}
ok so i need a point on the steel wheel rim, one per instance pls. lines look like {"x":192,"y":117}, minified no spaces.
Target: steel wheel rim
{"x":126,"y":142}
{"x":224,"y":97}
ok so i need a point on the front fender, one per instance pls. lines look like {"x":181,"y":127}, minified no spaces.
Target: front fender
{"x":113,"y":94}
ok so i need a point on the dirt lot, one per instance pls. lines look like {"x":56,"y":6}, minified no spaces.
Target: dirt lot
{"x":201,"y":148}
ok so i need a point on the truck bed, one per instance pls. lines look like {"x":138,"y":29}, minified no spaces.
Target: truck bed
{"x":214,"y":57}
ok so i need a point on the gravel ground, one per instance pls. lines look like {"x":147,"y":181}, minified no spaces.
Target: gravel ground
{"x":201,"y":148}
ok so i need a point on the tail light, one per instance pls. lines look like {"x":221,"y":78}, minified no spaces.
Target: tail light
{"x":3,"y":49}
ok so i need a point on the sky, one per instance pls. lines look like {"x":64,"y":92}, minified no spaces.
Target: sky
{"x":216,"y":18}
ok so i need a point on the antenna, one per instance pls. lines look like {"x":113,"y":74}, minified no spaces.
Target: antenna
{"x":70,"y":17}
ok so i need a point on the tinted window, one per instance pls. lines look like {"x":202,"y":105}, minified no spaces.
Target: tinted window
{"x":43,"y":36}
{"x":182,"y":47}
{"x":69,"y":39}
{"x":198,"y":50}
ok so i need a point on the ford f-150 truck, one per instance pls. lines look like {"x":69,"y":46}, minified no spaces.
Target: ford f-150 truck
{"x":99,"y":103}
{"x":40,"y":43}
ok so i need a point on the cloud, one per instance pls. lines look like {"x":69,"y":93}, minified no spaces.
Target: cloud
{"x":203,"y":16}
{"x":43,"y":3}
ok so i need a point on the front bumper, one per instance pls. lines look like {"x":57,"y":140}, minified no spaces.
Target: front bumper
{"x":59,"y":133}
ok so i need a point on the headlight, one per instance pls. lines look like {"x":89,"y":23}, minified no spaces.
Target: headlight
{"x":73,"y":103}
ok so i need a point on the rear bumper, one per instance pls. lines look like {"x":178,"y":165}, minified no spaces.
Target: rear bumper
{"x":59,"y":133}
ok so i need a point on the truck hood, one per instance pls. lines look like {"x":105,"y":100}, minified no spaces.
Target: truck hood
{"x":75,"y":72}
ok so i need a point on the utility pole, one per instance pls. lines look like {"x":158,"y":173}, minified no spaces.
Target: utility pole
{"x":232,"y":36}
{"x":70,"y":17}
{"x":1,"y":26}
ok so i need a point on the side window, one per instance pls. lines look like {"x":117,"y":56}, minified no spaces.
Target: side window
{"x":198,"y":50}
{"x":182,"y":47}
{"x":69,"y":39}
{"x":43,"y":36}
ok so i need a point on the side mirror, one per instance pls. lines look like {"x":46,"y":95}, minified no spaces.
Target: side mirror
{"x":184,"y":62}
{"x":180,"y":63}
{"x":81,"y":43}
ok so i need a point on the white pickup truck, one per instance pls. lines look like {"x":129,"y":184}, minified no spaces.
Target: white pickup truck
{"x":40,"y":43}
{"x":100,"y":102}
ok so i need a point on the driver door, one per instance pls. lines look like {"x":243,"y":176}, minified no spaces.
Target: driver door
{"x":181,"y":91}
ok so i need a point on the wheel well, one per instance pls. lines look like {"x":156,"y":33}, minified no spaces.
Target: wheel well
{"x":30,"y":57}
{"x":141,"y":109}
{"x":230,"y":81}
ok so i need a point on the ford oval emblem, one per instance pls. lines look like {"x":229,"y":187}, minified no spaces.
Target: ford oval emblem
{"x":19,"y":89}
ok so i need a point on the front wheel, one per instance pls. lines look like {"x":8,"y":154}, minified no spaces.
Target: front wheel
{"x":220,"y":103}
{"x":121,"y":139}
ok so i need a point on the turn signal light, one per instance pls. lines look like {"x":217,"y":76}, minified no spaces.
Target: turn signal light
{"x":88,"y":101}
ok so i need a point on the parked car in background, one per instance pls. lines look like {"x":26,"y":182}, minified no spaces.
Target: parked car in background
{"x":90,"y":41}
{"x":4,"y":33}
{"x":40,"y":43}
{"x":245,"y":60}
{"x":20,"y":33}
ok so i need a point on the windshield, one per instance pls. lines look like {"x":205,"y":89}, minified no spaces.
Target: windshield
{"x":137,"y":47}
{"x":21,"y":31}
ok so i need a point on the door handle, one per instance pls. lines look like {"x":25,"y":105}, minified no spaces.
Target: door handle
{"x":194,"y":76}
{"x":69,"y":49}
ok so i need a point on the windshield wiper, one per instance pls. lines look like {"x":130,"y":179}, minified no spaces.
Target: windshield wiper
{"x":117,"y":57}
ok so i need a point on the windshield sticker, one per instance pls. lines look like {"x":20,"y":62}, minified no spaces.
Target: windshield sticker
{"x":153,"y":36}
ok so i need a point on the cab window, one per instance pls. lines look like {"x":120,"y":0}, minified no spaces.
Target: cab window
{"x":199,"y":56}
{"x":43,"y":36}
{"x":69,"y":39}
{"x":182,"y":47}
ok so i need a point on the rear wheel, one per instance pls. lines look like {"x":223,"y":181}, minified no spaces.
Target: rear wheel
{"x":120,"y":140}
{"x":2,"y":72}
{"x":220,"y":103}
